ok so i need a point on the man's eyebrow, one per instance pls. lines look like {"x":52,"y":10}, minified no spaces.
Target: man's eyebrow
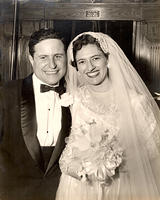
{"x":41,"y":55}
{"x":59,"y":53}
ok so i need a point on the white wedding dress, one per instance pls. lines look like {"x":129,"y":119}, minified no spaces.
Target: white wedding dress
{"x":113,"y":151}
{"x":92,"y":123}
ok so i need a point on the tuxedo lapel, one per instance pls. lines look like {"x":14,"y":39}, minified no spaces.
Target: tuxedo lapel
{"x":28,"y":121}
{"x":66,"y":124}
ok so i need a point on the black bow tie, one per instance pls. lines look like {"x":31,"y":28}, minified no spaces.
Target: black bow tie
{"x":59,"y":89}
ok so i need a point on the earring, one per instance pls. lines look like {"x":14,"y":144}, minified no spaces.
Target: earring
{"x":108,"y":65}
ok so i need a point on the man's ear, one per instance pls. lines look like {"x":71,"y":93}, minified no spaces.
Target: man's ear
{"x":31,"y":59}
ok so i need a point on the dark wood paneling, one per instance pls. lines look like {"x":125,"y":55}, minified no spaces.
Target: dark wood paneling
{"x":121,"y":10}
{"x":31,"y":13}
{"x":111,"y":1}
{"x":151,"y":13}
{"x":92,"y":12}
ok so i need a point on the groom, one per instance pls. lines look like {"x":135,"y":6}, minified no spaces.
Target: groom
{"x":33,"y":124}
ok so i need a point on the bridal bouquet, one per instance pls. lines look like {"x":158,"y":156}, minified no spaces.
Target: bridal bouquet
{"x":96,"y":152}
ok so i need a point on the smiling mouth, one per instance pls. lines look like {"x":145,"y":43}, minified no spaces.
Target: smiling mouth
{"x":93,"y":74}
{"x":52,"y":72}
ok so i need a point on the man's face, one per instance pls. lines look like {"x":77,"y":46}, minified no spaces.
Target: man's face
{"x":49,"y":61}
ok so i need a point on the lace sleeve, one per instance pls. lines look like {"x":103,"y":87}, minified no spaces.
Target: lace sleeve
{"x":68,"y":163}
{"x":147,"y":124}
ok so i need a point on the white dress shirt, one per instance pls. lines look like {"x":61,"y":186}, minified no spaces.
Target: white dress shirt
{"x":48,"y":114}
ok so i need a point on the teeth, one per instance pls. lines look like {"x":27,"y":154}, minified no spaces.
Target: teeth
{"x":51,"y":72}
{"x":93,"y":74}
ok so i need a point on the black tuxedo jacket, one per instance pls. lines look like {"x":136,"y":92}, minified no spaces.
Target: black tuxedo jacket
{"x":21,"y":167}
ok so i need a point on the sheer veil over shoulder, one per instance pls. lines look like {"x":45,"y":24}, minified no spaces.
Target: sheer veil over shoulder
{"x":140,"y":122}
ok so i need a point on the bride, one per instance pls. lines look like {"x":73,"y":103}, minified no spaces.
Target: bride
{"x":113,"y":151}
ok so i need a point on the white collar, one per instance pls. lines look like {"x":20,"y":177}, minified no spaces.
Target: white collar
{"x":37,"y":82}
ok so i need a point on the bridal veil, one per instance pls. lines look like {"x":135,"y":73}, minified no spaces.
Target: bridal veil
{"x":140,"y":119}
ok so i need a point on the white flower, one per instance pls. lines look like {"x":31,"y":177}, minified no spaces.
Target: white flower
{"x":66,"y":100}
{"x":96,"y":150}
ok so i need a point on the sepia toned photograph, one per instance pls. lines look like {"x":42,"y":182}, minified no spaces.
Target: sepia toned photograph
{"x":79,"y":99}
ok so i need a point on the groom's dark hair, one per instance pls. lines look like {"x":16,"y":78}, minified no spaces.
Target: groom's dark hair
{"x":43,"y":34}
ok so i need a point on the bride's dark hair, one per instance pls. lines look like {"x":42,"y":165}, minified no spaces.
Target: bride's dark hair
{"x":82,"y":41}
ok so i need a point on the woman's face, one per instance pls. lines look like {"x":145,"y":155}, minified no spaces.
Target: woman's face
{"x":92,"y":64}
